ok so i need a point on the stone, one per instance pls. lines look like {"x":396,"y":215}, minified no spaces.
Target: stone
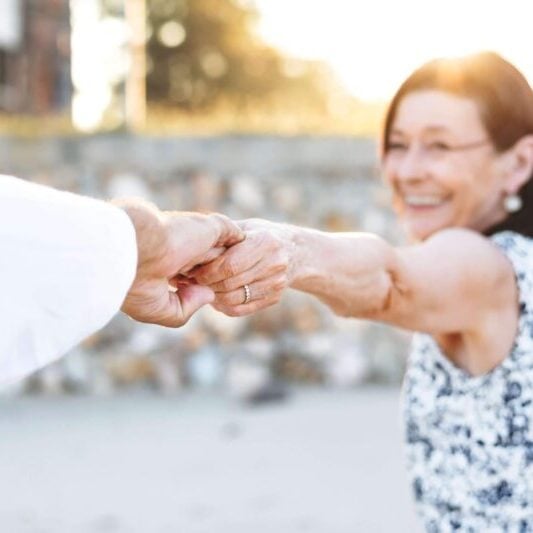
{"x":144,"y":339}
{"x":205,"y":368}
{"x":127,"y":370}
{"x":76,"y":370}
{"x":304,"y":316}
{"x":51,"y":379}
{"x":347,"y":367}
{"x":245,"y":377}
{"x":246,"y":194}
{"x":259,"y":347}
{"x":127,"y":185}
{"x":286,"y":197}
{"x":168,"y":374}
{"x":206,"y":191}
{"x":224,"y":328}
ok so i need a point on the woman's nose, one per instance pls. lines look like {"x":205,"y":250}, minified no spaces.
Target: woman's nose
{"x":411,"y":165}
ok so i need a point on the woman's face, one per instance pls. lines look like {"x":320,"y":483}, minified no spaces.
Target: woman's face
{"x":441,"y":165}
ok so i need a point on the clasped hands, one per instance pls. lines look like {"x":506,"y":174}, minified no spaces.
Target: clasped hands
{"x":187,"y":260}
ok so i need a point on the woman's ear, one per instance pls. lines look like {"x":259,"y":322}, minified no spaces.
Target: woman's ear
{"x":519,"y":164}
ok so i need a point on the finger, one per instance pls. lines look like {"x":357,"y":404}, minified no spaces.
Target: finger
{"x":181,"y":281}
{"x":246,"y":309}
{"x":244,"y":224}
{"x":229,"y":232}
{"x":267,"y":268}
{"x":237,"y":259}
{"x":248,"y":224}
{"x":183,"y":304}
{"x":204,"y":259}
{"x":259,"y":290}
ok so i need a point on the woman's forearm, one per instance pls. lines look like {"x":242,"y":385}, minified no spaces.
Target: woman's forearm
{"x":353,"y":273}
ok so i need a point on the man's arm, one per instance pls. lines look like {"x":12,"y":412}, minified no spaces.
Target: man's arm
{"x":69,"y":263}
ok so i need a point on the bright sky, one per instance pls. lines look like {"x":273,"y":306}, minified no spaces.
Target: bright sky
{"x":374,"y":44}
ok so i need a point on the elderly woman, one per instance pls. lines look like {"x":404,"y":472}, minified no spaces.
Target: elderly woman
{"x":457,"y":153}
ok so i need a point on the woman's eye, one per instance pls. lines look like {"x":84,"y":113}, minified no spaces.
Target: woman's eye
{"x":438,"y":146}
{"x":397,"y":147}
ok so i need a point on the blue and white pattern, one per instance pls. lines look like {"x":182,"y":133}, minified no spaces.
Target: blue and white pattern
{"x":469,"y":440}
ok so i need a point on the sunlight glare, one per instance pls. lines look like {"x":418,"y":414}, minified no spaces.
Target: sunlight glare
{"x":373,"y":46}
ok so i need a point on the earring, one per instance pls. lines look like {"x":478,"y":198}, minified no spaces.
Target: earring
{"x":512,"y":203}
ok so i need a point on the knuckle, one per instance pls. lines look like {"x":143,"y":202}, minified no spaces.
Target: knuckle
{"x":217,"y":218}
{"x":275,"y":245}
{"x":280,"y":268}
{"x":229,"y":267}
{"x":279,"y":284}
{"x":227,"y":285}
{"x":228,"y":310}
{"x":282,"y":260}
{"x":229,"y":300}
{"x":201,"y":278}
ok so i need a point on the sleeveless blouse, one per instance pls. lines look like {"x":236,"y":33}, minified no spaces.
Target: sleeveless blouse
{"x":469,"y":439}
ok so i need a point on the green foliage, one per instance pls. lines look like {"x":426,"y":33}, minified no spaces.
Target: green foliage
{"x":202,"y":52}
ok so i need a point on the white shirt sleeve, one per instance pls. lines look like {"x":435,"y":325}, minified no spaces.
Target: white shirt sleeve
{"x":66,"y":264}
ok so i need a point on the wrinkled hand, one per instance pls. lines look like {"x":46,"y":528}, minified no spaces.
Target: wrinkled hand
{"x":169,"y":245}
{"x":262,"y":261}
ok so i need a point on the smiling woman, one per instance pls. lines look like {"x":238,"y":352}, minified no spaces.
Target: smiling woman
{"x":455,"y":146}
{"x":451,"y":167}
{"x":458,"y":153}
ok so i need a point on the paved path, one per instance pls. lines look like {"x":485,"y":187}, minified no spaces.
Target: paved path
{"x":323,"y":462}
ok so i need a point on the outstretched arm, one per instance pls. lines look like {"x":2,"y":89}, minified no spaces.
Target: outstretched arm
{"x":68,"y":264}
{"x":447,"y":284}
{"x":450,"y":283}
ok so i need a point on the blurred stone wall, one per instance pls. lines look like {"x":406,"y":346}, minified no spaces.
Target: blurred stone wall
{"x":327,"y":183}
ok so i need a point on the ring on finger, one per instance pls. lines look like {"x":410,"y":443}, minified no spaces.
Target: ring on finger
{"x":247,"y":294}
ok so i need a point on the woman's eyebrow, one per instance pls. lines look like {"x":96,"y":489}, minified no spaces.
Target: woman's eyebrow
{"x":436,"y":128}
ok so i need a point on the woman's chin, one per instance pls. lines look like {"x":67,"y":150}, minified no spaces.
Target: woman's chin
{"x":420,"y":230}
{"x":422,"y":222}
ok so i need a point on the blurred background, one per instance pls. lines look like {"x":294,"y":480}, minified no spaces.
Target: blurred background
{"x":284,"y":421}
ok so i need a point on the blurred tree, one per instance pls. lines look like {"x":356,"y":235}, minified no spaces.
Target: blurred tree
{"x":204,"y":52}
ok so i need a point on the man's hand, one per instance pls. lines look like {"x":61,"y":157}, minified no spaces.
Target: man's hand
{"x":263,"y":263}
{"x":169,"y":245}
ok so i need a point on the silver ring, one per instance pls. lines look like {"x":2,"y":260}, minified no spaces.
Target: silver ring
{"x":247,"y":294}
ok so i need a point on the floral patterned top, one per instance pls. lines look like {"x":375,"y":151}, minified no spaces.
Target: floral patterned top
{"x":469,"y":440}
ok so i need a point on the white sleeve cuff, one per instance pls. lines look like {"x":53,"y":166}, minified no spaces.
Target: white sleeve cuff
{"x":66,"y":265}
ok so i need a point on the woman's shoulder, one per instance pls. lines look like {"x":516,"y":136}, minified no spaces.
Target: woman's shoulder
{"x":519,"y":250}
{"x":513,"y":243}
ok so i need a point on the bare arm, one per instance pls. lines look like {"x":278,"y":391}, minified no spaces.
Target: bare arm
{"x":448,"y":284}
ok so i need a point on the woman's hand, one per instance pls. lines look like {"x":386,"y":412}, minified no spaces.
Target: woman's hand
{"x":262,"y":263}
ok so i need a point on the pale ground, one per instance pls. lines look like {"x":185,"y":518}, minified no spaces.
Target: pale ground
{"x":323,"y":462}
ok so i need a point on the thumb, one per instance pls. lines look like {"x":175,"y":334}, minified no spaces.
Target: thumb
{"x":229,"y":232}
{"x":185,"y":302}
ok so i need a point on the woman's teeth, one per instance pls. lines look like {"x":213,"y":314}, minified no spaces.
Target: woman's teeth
{"x":423,"y":201}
